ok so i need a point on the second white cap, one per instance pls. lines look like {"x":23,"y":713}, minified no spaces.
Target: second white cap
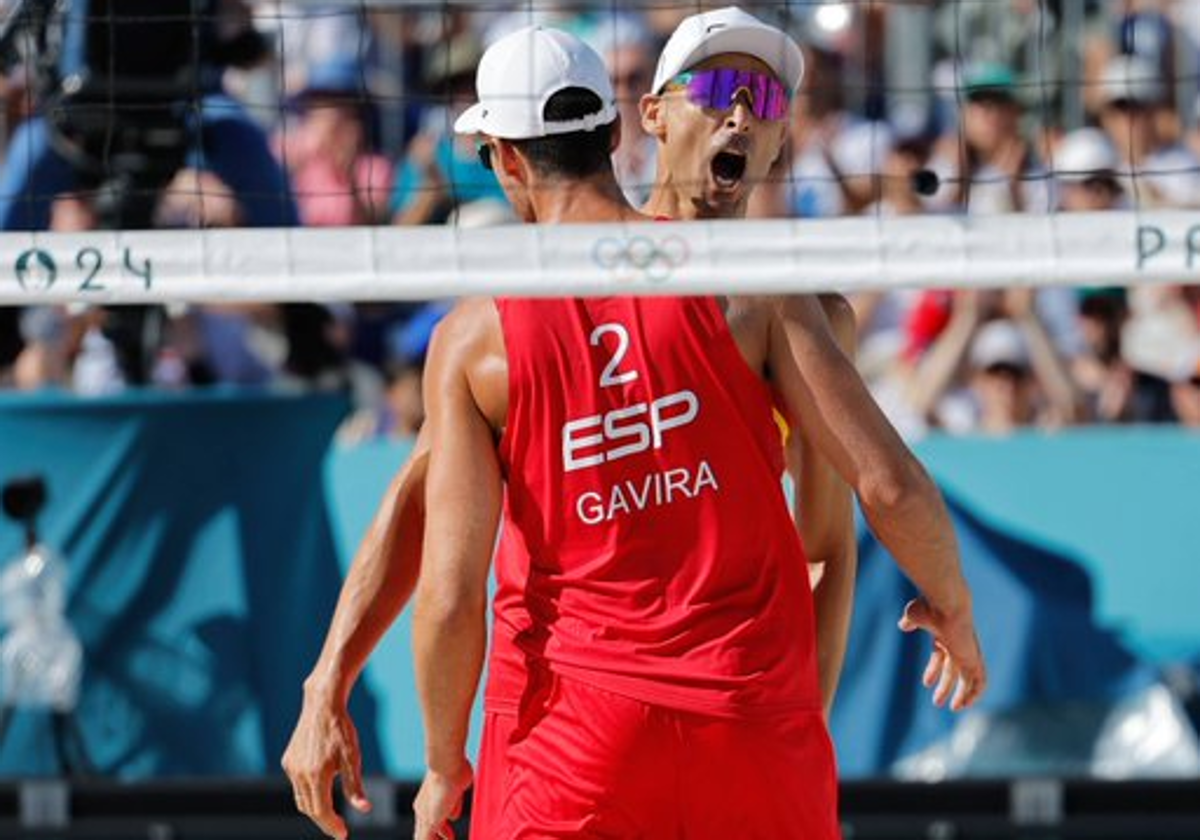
{"x":729,"y":30}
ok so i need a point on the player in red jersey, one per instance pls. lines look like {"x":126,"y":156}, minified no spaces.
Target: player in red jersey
{"x":710,"y":157}
{"x":325,"y":743}
{"x":381,"y":579}
{"x":669,"y":646}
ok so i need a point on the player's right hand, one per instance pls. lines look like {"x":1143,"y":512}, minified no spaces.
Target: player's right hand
{"x":956,"y":671}
{"x":324,"y":745}
{"x":439,"y":801}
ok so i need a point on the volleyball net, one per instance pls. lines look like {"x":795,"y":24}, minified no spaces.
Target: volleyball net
{"x":312,"y":144}
{"x":762,"y":256}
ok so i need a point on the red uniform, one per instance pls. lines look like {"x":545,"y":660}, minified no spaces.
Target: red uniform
{"x":653,"y":610}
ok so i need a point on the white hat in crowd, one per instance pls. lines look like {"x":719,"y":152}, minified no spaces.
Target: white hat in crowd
{"x":1131,"y":78}
{"x":1188,"y":369}
{"x":999,"y":342}
{"x":520,"y":72}
{"x":1085,"y":153}
{"x":729,"y":30}
{"x":862,"y":147}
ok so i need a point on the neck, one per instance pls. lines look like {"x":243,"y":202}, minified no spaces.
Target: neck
{"x":595,"y":199}
{"x":666,"y":201}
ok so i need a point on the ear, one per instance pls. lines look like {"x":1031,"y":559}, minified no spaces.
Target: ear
{"x":614,"y":141}
{"x":507,"y":160}
{"x":781,"y":144}
{"x":654,"y":120}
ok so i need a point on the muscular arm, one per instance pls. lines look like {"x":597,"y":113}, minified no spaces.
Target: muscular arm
{"x":824,"y":511}
{"x":381,"y":579}
{"x":901,"y":503}
{"x":449,"y":616}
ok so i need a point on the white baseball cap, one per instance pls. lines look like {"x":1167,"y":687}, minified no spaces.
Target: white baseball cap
{"x":999,"y":343}
{"x":729,"y":30}
{"x":520,"y":72}
{"x":1085,"y":153}
{"x":1131,"y":78}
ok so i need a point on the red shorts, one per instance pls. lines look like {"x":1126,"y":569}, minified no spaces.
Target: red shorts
{"x":586,"y":763}
{"x":487,"y":796}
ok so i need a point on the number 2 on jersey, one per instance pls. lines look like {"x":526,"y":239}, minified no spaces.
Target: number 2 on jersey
{"x":610,"y":376}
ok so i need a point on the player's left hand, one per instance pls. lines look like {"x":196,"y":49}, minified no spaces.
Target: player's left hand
{"x":324,"y":745}
{"x":439,"y":801}
{"x":956,"y":671}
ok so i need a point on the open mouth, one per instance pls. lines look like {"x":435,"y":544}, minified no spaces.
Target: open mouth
{"x":728,"y":167}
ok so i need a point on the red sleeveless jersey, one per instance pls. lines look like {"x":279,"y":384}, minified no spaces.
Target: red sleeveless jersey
{"x":647,"y":547}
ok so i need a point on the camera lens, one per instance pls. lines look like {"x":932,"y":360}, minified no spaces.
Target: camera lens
{"x":24,"y":497}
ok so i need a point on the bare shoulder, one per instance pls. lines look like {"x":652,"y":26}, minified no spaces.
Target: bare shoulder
{"x":798,"y":329}
{"x":747,"y":312}
{"x":471,"y":321}
{"x":749,"y":321}
{"x":468,"y":345}
{"x":811,"y":312}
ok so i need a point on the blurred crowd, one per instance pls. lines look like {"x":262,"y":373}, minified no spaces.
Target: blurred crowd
{"x":1028,"y":106}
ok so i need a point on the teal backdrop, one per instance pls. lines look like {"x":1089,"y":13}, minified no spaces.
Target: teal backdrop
{"x":1121,"y":504}
{"x":202,"y":569}
{"x":1124,"y":501}
{"x":207,"y":535}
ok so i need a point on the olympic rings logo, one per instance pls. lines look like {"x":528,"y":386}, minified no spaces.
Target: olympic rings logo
{"x":641,"y":257}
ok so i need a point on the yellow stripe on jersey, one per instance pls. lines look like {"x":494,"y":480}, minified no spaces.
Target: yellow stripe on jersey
{"x":785,"y":431}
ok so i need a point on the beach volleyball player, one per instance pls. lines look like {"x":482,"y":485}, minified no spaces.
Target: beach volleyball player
{"x":709,"y":157}
{"x":388,"y":576}
{"x":669,"y":680}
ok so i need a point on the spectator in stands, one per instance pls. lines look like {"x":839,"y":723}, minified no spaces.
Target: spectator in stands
{"x":198,"y":199}
{"x":628,"y":50}
{"x":311,"y":36}
{"x":1000,"y":31}
{"x":233,"y":343}
{"x":990,"y":167}
{"x":400,"y":410}
{"x":1146,"y":29}
{"x":1162,"y":325}
{"x":1185,"y":391}
{"x":441,"y":171}
{"x":1156,"y":171}
{"x":1086,"y":166}
{"x":405,"y":406}
{"x":821,"y":127}
{"x":894,"y":183}
{"x":1113,"y":390}
{"x":398,"y":413}
{"x":885,"y":357}
{"x":100,"y":351}
{"x":42,"y":360}
{"x":338,"y":179}
{"x":221,"y":135}
{"x":1010,"y":372}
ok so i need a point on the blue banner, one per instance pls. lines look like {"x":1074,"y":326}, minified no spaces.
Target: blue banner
{"x":207,"y":535}
{"x":203,"y":571}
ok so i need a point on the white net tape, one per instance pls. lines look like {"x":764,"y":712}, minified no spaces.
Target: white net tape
{"x":768,"y":256}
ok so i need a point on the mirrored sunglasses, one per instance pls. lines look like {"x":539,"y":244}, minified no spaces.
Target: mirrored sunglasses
{"x":485,"y":155}
{"x":718,"y":89}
